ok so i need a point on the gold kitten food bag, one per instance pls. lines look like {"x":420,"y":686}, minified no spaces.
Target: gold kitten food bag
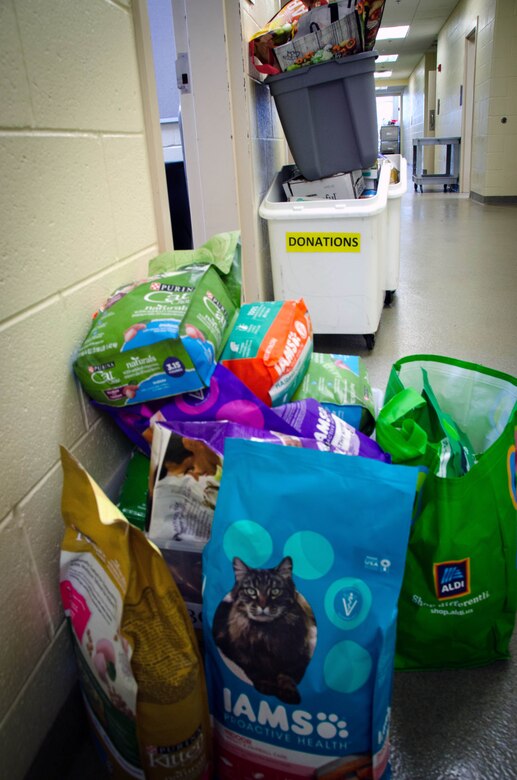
{"x":139,"y":665}
{"x":302,"y":575}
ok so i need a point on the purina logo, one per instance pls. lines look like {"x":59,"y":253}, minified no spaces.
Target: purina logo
{"x":102,"y":367}
{"x":452,"y":579}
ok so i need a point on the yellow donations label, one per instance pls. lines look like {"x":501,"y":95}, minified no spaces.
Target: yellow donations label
{"x":323,"y":242}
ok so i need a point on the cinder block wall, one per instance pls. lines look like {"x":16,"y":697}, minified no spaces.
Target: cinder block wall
{"x":77,"y":220}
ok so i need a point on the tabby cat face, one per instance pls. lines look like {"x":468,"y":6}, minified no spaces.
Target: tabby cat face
{"x":263,"y":594}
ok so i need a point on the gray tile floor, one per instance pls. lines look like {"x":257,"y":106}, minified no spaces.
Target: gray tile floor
{"x":456,"y":297}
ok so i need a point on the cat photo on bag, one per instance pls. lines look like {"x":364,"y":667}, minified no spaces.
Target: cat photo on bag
{"x":183,"y":486}
{"x":265,"y":630}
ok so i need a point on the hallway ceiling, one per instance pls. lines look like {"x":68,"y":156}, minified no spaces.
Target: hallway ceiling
{"x":425,"y":19}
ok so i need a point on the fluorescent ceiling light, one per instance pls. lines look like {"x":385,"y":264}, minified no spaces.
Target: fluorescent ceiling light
{"x":382,"y":74}
{"x":387,"y":58}
{"x":385,"y":33}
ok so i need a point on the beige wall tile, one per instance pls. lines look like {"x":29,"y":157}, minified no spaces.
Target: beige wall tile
{"x":15,"y":106}
{"x":130,"y":193}
{"x":77,"y":200}
{"x":82,"y":66}
{"x":55,"y":199}
{"x":503,"y":106}
{"x":83,"y":300}
{"x":39,"y":514}
{"x":27,"y":722}
{"x":103,"y":452}
{"x":40,"y":399}
{"x":26,"y":627}
{"x":496,"y":161}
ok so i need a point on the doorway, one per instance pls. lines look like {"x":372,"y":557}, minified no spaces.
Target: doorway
{"x":388,"y":115}
{"x":467,"y":118}
{"x":164,"y":57}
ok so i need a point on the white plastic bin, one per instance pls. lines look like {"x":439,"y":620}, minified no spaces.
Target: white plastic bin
{"x":392,"y":260}
{"x":331,"y":253}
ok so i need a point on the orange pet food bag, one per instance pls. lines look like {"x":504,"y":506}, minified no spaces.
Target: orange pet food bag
{"x":270,"y":347}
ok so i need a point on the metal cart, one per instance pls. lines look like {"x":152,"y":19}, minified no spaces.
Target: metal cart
{"x":452,"y":165}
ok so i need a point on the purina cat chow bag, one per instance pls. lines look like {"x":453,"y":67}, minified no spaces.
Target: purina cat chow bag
{"x":139,"y":666}
{"x":301,"y":580}
{"x":156,"y":337}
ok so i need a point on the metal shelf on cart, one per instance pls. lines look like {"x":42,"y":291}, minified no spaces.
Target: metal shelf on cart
{"x":451,"y":176}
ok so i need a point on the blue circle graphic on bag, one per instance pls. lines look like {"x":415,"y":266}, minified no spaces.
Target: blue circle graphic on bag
{"x":347,"y":667}
{"x":348,"y":602}
{"x":249,"y":541}
{"x":312,"y":554}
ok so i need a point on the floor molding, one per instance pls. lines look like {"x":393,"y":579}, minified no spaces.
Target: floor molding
{"x":494,"y":200}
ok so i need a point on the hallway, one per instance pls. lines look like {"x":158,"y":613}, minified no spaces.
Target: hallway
{"x":457,"y":288}
{"x":456,"y":297}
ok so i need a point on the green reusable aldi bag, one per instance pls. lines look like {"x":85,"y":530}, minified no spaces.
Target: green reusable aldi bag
{"x":459,"y":594}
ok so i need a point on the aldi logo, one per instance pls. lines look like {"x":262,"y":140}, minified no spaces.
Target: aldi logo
{"x":452,"y":579}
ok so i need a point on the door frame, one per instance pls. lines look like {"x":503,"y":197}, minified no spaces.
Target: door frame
{"x":206,"y":115}
{"x":151,"y":115}
{"x":467,"y":113}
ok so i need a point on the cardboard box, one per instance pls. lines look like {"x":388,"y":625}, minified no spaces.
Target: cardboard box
{"x":371,"y":174}
{"x":341,"y":186}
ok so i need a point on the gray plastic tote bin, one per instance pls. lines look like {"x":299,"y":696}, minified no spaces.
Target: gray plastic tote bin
{"x":329,"y":114}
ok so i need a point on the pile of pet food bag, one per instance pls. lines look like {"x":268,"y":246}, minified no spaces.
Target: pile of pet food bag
{"x":309,"y":32}
{"x":285,"y":535}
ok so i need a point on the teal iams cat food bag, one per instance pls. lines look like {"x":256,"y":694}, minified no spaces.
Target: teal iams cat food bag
{"x":301,"y":579}
{"x":157,"y":337}
{"x":340,"y":384}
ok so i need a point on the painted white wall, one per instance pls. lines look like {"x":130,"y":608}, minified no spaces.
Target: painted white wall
{"x":77,"y":214}
{"x":200,"y":30}
{"x":413,"y":113}
{"x":260,"y":145}
{"x":233,"y":140}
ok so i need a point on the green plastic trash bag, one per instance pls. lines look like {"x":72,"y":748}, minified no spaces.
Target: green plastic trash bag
{"x":459,"y":594}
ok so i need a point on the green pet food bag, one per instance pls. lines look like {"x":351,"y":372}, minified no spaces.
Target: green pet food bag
{"x":156,"y":337}
{"x":340,"y":384}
